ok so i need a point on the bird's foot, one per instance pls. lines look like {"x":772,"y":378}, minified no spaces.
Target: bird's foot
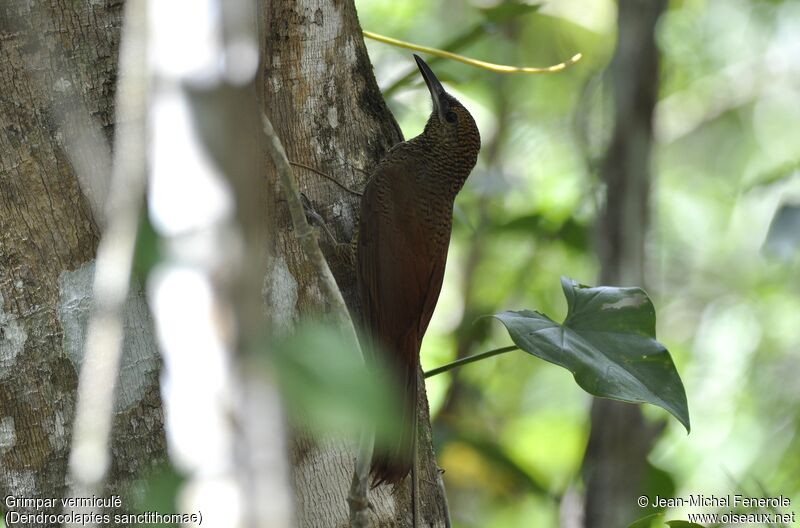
{"x":341,"y":249}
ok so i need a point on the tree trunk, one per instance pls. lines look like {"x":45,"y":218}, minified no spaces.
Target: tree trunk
{"x":615,"y":461}
{"x":58,"y":63}
{"x":320,"y":93}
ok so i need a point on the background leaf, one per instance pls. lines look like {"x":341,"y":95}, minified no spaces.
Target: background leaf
{"x":506,"y":10}
{"x":608,"y":343}
{"x":494,"y":454}
{"x":649,"y":521}
{"x":783,"y":238}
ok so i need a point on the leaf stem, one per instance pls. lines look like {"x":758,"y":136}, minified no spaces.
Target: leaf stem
{"x":469,"y":359}
{"x":468,"y":37}
{"x":497,"y":68}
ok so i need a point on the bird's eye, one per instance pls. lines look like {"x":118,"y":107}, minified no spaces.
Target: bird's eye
{"x":451,"y":117}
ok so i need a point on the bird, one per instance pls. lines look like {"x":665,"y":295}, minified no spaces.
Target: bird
{"x":404,"y":228}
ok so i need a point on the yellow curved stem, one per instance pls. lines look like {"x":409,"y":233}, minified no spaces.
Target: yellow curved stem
{"x":498,"y":68}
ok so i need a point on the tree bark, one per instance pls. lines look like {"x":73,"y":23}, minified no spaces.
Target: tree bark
{"x":58,"y":63}
{"x":615,"y":461}
{"x":319,"y":91}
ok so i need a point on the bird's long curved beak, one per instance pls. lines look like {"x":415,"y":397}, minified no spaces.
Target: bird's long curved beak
{"x":436,"y":89}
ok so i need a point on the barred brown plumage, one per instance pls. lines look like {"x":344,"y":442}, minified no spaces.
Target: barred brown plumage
{"x":403,"y":236}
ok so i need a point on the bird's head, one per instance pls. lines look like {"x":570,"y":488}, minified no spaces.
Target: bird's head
{"x":450,"y":123}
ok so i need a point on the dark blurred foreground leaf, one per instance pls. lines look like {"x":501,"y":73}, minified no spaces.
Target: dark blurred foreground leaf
{"x":684,"y":524}
{"x":608,"y":343}
{"x":783,"y":238}
{"x":326,"y":385}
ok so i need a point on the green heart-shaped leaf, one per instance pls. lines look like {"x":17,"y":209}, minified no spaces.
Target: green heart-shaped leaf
{"x":608,"y":342}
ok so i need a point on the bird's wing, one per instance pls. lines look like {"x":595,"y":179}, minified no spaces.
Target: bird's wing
{"x":400,"y":272}
{"x":400,"y":275}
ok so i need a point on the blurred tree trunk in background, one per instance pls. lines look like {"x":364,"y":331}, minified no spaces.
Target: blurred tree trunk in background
{"x":319,"y":91}
{"x":615,"y":460}
{"x":58,"y":67}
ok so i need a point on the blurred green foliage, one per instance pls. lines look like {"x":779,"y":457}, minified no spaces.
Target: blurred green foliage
{"x":725,"y":160}
{"x":326,"y":385}
{"x":157,"y":492}
{"x":655,"y":520}
{"x":148,"y":251}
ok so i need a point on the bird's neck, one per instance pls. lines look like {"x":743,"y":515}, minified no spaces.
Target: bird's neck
{"x":449,"y":165}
